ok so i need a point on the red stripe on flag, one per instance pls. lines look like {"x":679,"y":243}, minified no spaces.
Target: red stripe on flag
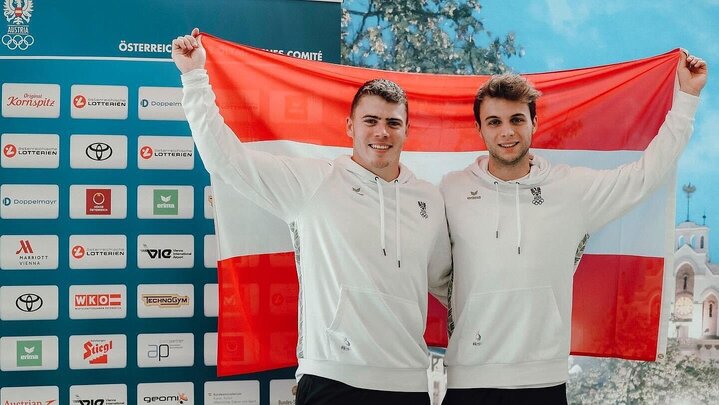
{"x":617,"y":301}
{"x":266,"y":96}
{"x":617,"y":305}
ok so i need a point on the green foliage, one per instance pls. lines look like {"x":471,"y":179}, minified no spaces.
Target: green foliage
{"x":678,"y":379}
{"x":431,"y":36}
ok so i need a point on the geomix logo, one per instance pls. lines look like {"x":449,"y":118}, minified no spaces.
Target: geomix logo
{"x":28,"y":302}
{"x":98,"y":351}
{"x":165,"y":202}
{"x":98,"y":201}
{"x":98,"y":301}
{"x":166,"y":393}
{"x":28,"y":252}
{"x":25,"y":353}
{"x":29,"y":353}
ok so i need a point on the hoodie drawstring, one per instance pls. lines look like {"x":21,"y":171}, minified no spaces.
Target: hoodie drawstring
{"x":381,"y":215}
{"x":519,"y":219}
{"x":397,"y":218}
{"x":517,"y":213}
{"x":399,"y":251}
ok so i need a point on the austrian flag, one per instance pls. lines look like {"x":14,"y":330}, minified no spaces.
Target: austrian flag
{"x":598,"y":117}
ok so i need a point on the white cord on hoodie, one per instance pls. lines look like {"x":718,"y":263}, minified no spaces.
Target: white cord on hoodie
{"x":496,"y":202}
{"x":519,"y":220}
{"x":399,"y":251}
{"x":381,"y":215}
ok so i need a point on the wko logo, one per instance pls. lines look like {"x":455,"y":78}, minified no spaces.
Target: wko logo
{"x":29,"y":302}
{"x":9,"y":150}
{"x":98,"y":300}
{"x":98,"y":151}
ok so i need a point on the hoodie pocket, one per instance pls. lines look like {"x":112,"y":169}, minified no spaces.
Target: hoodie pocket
{"x":378,"y":330}
{"x":508,"y":327}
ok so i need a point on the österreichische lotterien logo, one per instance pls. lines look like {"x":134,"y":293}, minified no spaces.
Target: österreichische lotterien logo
{"x":17,"y":13}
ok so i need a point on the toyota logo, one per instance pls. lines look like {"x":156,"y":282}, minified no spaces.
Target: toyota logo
{"x":98,"y":151}
{"x":28,"y":302}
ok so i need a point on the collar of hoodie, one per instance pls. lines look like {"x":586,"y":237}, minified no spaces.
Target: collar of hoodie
{"x":367,"y":176}
{"x":538,"y":172}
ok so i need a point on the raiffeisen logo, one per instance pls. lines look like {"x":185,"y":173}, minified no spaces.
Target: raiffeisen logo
{"x":18,"y":13}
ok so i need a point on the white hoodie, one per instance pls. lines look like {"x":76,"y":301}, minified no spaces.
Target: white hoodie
{"x":514,"y":245}
{"x":366,"y":250}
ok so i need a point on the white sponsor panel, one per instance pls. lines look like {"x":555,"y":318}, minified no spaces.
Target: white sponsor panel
{"x":29,"y":252}
{"x":98,"y":102}
{"x":45,"y":395}
{"x":98,"y":301}
{"x":165,"y":202}
{"x":281,"y":392}
{"x":28,"y":353}
{"x":98,"y":251}
{"x":212,"y":300}
{"x":210,"y":348}
{"x":99,"y":394}
{"x":232,"y":392}
{"x":165,"y":350}
{"x":165,"y":300}
{"x":40,"y":151}
{"x":29,"y":201}
{"x":98,"y":151}
{"x":165,"y":251}
{"x":98,"y":351}
{"x":28,"y":302}
{"x":165,"y":152}
{"x":160,"y":103}
{"x":210,"y":244}
{"x":209,"y":207}
{"x":30,"y":100}
{"x":98,"y":201}
{"x":166,"y":393}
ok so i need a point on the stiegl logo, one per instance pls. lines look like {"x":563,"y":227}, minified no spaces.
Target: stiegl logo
{"x":95,"y":352}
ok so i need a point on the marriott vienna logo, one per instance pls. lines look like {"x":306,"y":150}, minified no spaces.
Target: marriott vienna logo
{"x":29,"y":252}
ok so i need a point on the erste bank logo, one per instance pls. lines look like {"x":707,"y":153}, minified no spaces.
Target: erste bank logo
{"x":24,"y":353}
{"x":30,"y":151}
{"x":98,"y":351}
{"x":98,"y":301}
{"x":17,"y":14}
{"x":29,"y":252}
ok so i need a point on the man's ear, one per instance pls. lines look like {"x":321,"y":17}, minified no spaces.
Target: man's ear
{"x":349,"y":127}
{"x":535,"y":123}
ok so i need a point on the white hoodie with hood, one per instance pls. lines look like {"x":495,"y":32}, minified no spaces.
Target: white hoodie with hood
{"x":366,"y":250}
{"x":514,"y":245}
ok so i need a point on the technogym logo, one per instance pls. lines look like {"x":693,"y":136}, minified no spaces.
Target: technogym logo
{"x":29,"y":353}
{"x":165,"y":202}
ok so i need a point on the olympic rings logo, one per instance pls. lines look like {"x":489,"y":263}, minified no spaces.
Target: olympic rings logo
{"x":17,"y":41}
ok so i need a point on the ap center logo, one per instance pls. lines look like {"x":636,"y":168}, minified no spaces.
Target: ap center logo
{"x":17,"y":13}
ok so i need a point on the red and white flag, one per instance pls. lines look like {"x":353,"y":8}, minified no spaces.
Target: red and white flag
{"x":597,"y":117}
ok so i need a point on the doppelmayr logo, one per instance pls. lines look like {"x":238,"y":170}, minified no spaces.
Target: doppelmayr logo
{"x":41,"y":151}
{"x":30,"y":100}
{"x":29,"y":201}
{"x":160,"y":103}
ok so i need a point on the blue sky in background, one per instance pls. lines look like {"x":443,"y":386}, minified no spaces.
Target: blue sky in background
{"x":567,"y":34}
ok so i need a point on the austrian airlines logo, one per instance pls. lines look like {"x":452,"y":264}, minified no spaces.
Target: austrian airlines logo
{"x":79,"y":101}
{"x":146,"y":152}
{"x":25,"y":247}
{"x":78,"y":252}
{"x":9,"y":150}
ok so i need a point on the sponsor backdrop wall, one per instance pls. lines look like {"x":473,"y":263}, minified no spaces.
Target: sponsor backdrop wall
{"x":108,"y":291}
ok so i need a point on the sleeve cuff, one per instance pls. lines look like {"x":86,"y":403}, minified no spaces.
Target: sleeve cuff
{"x":685,"y":104}
{"x":195,"y":78}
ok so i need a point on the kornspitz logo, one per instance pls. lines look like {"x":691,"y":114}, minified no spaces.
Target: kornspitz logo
{"x":17,"y":13}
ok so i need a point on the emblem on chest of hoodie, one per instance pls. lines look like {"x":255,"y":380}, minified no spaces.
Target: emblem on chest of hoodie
{"x":423,"y":209}
{"x":537,"y":193}
{"x":346,"y":346}
{"x":474,"y":195}
{"x":477,"y":340}
{"x":357,"y":190}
